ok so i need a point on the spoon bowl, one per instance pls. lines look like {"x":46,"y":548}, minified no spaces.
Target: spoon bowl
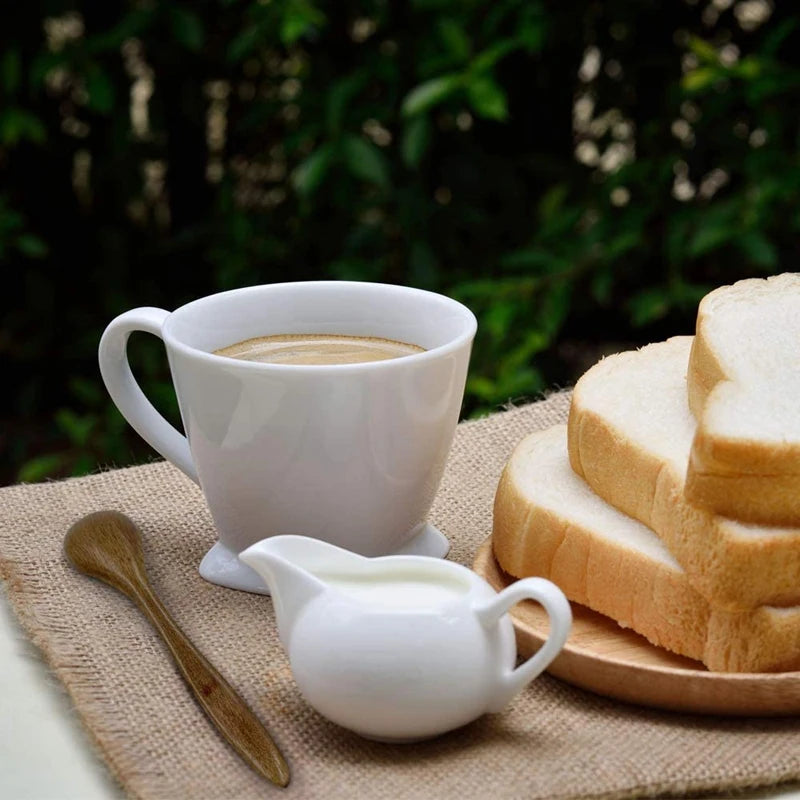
{"x":106,"y":545}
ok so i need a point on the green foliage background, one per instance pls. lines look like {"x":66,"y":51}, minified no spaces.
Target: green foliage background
{"x":579,"y":174}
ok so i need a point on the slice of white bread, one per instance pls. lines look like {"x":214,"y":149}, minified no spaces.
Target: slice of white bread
{"x":630,"y":433}
{"x":744,"y":389}
{"x":549,"y":523}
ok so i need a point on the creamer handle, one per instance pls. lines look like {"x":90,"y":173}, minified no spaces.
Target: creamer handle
{"x":128,"y":396}
{"x":559,"y":613}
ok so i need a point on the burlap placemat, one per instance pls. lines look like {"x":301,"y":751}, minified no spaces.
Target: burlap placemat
{"x":553,"y":741}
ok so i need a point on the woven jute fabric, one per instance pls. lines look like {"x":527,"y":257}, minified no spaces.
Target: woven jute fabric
{"x":552,"y":741}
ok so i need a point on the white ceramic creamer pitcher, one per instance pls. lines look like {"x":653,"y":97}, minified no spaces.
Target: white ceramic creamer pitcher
{"x":399,"y":648}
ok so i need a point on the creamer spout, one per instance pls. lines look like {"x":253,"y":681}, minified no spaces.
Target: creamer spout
{"x":287,"y":564}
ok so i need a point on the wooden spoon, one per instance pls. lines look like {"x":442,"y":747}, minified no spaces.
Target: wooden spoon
{"x":107,"y":545}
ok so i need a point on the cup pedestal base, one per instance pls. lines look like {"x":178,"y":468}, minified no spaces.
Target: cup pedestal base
{"x":221,"y":565}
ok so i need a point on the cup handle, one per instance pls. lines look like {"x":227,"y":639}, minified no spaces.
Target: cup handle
{"x":128,"y":396}
{"x":559,"y":613}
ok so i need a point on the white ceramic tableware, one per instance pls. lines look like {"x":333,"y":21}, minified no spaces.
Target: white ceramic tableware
{"x":399,"y":648}
{"x":349,"y":453}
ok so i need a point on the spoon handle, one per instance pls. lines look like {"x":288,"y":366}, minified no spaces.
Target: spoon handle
{"x":237,"y":723}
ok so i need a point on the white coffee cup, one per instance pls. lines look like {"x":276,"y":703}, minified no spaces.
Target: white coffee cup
{"x":348,"y":453}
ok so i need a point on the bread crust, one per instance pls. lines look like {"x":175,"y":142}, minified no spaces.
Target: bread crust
{"x":536,"y":536}
{"x":734,"y":566}
{"x":744,"y":478}
{"x":704,"y":372}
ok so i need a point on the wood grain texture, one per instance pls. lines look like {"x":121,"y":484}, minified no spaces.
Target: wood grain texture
{"x":107,"y":545}
{"x":616,"y":662}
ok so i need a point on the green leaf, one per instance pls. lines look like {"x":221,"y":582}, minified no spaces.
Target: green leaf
{"x":101,"y":91}
{"x":486,"y":60}
{"x":498,"y":319}
{"x":77,"y":428}
{"x":10,"y":220}
{"x":431,"y":93}
{"x":455,"y":39}
{"x":339,"y":96}
{"x":11,"y":70}
{"x":621,"y":244}
{"x":758,"y":249}
{"x":774,"y":38}
{"x":83,"y":465}
{"x":770,"y":84}
{"x":482,"y":387}
{"x":187,"y":28}
{"x":17,"y":125}
{"x":552,"y":201}
{"x":516,"y":383}
{"x":10,"y":127}
{"x":562,"y":225}
{"x":245,"y":43}
{"x":649,"y":305}
{"x":708,"y":238}
{"x":478,"y":289}
{"x":534,"y":260}
{"x":602,"y":286}
{"x":299,"y":18}
{"x":699,"y":79}
{"x":703,"y":50}
{"x":487,"y":98}
{"x":748,"y":68}
{"x":31,"y":246}
{"x":416,"y":137}
{"x":688,"y":295}
{"x":516,"y":359}
{"x":364,"y":160}
{"x":40,"y":467}
{"x":532,"y":31}
{"x":293,"y":27}
{"x":42,"y":65}
{"x":88,"y":392}
{"x":311,"y":172}
{"x":132,"y":24}
{"x":555,"y":306}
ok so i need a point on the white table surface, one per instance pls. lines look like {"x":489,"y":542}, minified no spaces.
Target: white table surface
{"x":45,"y":754}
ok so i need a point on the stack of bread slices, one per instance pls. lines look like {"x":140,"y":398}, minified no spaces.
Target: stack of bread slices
{"x":670,"y":502}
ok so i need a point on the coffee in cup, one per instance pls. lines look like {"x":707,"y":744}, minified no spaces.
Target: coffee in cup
{"x":317,"y":349}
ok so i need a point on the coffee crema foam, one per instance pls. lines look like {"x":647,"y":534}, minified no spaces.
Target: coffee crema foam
{"x":317,"y":349}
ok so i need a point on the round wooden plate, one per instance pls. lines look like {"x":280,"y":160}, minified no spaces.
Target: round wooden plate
{"x":616,"y":662}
